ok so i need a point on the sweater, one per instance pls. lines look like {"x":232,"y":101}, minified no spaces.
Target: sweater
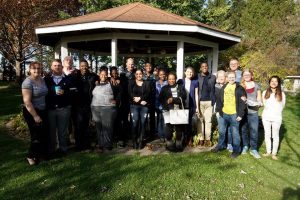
{"x":273,"y":108}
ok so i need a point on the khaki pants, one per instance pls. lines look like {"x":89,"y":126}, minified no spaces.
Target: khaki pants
{"x":204,"y":123}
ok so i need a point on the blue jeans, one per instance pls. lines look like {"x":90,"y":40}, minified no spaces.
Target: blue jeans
{"x":230,"y":120}
{"x":250,"y":123}
{"x":138,"y":117}
{"x":222,"y":137}
{"x":58,"y":122}
{"x":160,"y":123}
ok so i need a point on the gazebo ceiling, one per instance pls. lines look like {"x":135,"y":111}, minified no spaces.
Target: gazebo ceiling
{"x":132,"y":18}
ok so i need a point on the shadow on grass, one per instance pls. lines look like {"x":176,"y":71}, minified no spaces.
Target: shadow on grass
{"x":290,"y":193}
{"x":90,"y":175}
{"x":10,"y":100}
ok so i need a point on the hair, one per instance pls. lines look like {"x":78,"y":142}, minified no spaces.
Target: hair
{"x":230,"y":72}
{"x":104,"y":68}
{"x":84,"y":60}
{"x":68,"y":58}
{"x":191,"y":68}
{"x":113,"y":68}
{"x":32,"y":64}
{"x":203,"y":63}
{"x":56,"y":60}
{"x":233,"y":58}
{"x":243,"y":84}
{"x":221,"y":72}
{"x":161,"y":69}
{"x":129,"y":59}
{"x":173,"y":74}
{"x":139,"y":69}
{"x":278,"y":93}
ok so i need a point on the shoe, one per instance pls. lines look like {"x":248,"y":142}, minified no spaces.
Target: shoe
{"x":207,"y":143}
{"x":234,"y":155}
{"x":230,"y":148}
{"x":31,"y":161}
{"x":215,"y":150}
{"x":201,"y":143}
{"x":245,"y":149}
{"x":266,"y":154}
{"x":170,"y":146}
{"x":274,"y":157}
{"x":255,"y":154}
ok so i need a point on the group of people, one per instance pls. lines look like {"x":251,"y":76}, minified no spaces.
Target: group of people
{"x":120,"y":105}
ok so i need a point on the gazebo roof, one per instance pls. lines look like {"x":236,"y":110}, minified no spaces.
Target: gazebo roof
{"x":133,"y":18}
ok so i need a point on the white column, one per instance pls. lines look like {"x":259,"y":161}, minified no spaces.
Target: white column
{"x":215,"y":60}
{"x":57,"y":51}
{"x":114,"y":52}
{"x":210,"y":61}
{"x":180,"y":59}
{"x":64,"y":50}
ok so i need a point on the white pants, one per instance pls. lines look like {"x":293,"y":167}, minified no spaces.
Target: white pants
{"x":271,"y":131}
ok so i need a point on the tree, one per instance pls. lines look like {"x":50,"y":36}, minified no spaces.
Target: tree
{"x":18,"y":18}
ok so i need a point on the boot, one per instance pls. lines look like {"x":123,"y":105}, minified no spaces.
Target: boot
{"x":179,"y":146}
{"x":170,"y":146}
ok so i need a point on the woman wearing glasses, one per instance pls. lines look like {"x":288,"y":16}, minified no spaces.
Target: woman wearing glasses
{"x":34,"y":91}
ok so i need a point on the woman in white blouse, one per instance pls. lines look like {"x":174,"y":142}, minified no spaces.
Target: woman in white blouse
{"x":274,"y":102}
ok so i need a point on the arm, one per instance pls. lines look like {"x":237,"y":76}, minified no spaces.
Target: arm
{"x":27,"y":101}
{"x":197,"y":99}
{"x":283,"y":100}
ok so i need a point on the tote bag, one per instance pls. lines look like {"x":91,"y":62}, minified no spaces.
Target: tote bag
{"x":179,"y":116}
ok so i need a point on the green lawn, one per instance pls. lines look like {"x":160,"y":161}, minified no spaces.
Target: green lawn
{"x":173,"y":176}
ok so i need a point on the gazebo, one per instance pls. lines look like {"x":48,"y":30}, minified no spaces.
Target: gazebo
{"x":136,"y":30}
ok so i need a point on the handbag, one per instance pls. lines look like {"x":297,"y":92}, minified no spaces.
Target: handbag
{"x":179,"y":116}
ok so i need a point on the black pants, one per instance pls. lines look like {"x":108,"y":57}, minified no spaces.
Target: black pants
{"x":152,"y":132}
{"x":124,"y":132}
{"x":169,"y":129}
{"x":38,"y":134}
{"x":81,"y":117}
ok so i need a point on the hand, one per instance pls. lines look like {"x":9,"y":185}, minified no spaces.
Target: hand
{"x":217,"y":114}
{"x":136,"y":99}
{"x":170,"y":100}
{"x":60,"y":92}
{"x":114,"y":81}
{"x":238,"y":119}
{"x":143,"y":103}
{"x":37,"y":119}
{"x":244,"y":98}
{"x":113,"y":101}
{"x":197,"y":110}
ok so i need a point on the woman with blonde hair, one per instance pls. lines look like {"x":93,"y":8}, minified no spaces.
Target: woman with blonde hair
{"x":34,"y":91}
{"x":249,"y":123}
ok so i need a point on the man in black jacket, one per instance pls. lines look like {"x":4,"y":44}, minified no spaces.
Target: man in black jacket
{"x":232,"y":108}
{"x":207,"y":83}
{"x":86,"y":83}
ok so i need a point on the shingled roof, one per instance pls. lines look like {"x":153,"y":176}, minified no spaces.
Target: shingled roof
{"x":134,"y":13}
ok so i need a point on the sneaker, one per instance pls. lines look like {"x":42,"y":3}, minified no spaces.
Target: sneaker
{"x":234,"y":155}
{"x":274,"y":157}
{"x":245,"y":149}
{"x":230,"y":148}
{"x":215,"y":150}
{"x":266,"y":154}
{"x":255,"y":154}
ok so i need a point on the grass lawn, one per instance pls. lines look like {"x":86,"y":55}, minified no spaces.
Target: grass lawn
{"x":173,"y":176}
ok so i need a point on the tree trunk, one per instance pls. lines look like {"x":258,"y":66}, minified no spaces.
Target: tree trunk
{"x":18,"y":72}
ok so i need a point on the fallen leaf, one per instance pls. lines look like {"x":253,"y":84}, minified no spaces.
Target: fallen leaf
{"x":72,"y":186}
{"x":243,"y":172}
{"x":242,"y":185}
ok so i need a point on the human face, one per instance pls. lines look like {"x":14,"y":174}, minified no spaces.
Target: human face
{"x":189,"y":74}
{"x":234,"y":64}
{"x":114,"y":74}
{"x":171,"y":80}
{"x":103,"y":76}
{"x":162,"y":75}
{"x":247,"y":76}
{"x":68,"y":62}
{"x":274,"y":83}
{"x":35,"y":71}
{"x":221,"y":78}
{"x":129,"y":65}
{"x":204,"y":68}
{"x":231,"y":78}
{"x":148,"y":68}
{"x":138,"y":75}
{"x":56,"y":68}
{"x":84,"y":67}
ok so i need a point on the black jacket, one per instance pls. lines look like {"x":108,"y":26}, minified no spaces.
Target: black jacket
{"x":166,"y":93}
{"x":146,"y":92}
{"x":58,"y":101}
{"x":211,"y":84}
{"x":240,"y":104}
